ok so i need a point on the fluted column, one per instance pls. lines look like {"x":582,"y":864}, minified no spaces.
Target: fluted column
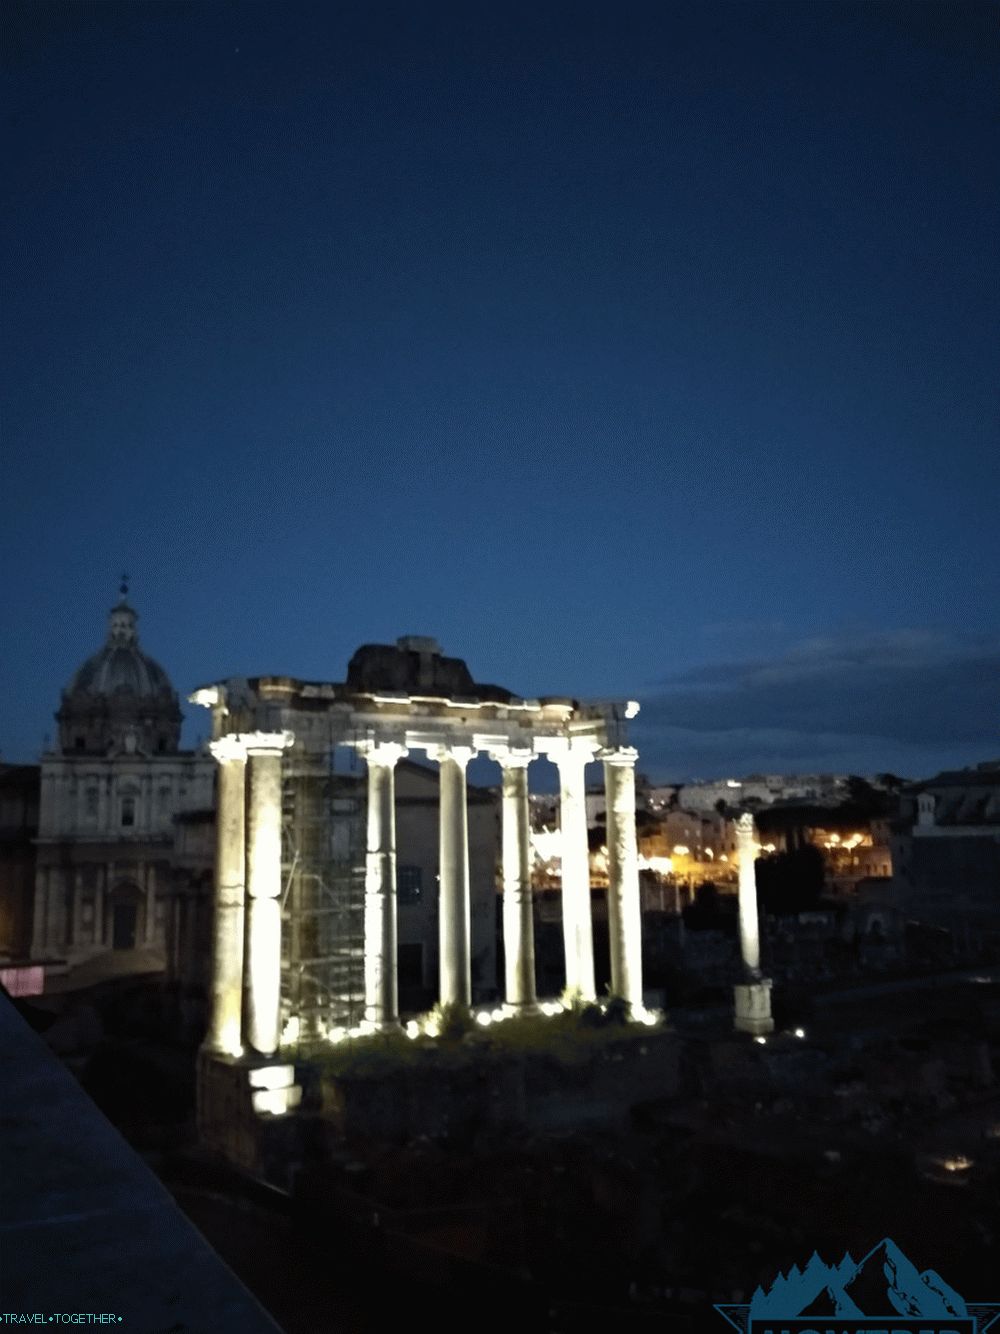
{"x":518,"y":918}
{"x":453,"y":909}
{"x":578,"y":935}
{"x":263,"y":976}
{"x":225,"y":1025}
{"x":624,"y":909}
{"x":381,"y":987}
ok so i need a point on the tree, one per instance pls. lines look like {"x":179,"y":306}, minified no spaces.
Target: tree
{"x":791,"y":882}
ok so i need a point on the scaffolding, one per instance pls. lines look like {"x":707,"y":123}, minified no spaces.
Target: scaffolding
{"x":323,"y":887}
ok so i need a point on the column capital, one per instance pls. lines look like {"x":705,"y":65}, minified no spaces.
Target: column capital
{"x":385,"y":753}
{"x":267,"y":743}
{"x":570,"y":752}
{"x":620,"y":756}
{"x":511,"y":757}
{"x":228,"y":748}
{"x":744,"y":828}
{"x":460,"y":754}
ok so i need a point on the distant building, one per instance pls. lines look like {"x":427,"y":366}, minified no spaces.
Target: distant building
{"x":946,"y":853}
{"x":110,"y":790}
{"x":756,"y":790}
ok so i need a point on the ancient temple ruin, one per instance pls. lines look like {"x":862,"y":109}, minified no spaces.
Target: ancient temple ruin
{"x":288,"y":832}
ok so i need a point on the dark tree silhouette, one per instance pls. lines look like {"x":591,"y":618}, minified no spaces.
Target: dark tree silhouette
{"x":791,"y":882}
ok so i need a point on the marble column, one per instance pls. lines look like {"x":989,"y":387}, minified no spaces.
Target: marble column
{"x":455,"y":985}
{"x":263,"y":955}
{"x":753,"y":994}
{"x":381,"y":986}
{"x":225,"y":1024}
{"x":518,"y":916}
{"x":578,"y":935}
{"x":624,"y":908}
{"x":749,"y":927}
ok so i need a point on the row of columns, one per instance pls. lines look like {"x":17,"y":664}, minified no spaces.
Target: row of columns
{"x":455,"y":956}
{"x":246,"y":980}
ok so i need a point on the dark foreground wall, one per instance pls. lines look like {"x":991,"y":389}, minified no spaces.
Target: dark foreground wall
{"x":85,"y":1227}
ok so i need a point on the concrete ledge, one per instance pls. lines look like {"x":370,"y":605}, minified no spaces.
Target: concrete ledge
{"x":87,"y":1228}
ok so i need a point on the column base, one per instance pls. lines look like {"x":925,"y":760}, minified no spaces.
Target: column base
{"x":382,"y":1025}
{"x":752,"y":1009}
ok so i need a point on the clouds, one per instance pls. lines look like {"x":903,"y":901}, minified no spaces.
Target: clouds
{"x":910,"y":699}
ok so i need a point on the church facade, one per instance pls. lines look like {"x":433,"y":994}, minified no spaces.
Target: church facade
{"x":110,"y":790}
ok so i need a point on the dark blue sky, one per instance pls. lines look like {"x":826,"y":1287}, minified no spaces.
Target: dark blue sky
{"x":630,"y":349}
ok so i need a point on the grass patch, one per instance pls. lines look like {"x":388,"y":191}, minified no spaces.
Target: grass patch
{"x":570,"y":1039}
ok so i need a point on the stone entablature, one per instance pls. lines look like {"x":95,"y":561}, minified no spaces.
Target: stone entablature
{"x":255,"y":720}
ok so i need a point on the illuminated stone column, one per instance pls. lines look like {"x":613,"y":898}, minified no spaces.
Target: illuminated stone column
{"x":225,"y":1025}
{"x":578,"y":935}
{"x":753,"y":995}
{"x":264,"y":889}
{"x":381,"y":988}
{"x":453,"y":909}
{"x":749,"y":926}
{"x":518,"y":918}
{"x":624,"y":909}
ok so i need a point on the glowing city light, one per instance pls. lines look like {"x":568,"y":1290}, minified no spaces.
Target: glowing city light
{"x":959,"y":1163}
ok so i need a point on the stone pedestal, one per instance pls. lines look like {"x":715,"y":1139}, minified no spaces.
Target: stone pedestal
{"x":753,"y":1007}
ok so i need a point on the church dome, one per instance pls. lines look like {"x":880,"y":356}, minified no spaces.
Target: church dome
{"x":120,"y":699}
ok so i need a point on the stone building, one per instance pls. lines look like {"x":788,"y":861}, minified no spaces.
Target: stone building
{"x":946,"y":854}
{"x":110,"y":789}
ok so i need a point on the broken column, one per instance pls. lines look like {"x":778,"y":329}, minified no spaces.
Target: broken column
{"x":753,"y":994}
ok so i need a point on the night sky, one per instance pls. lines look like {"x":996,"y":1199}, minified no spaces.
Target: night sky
{"x":632,"y":350}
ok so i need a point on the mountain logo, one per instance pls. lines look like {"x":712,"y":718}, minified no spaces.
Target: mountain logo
{"x":884,"y":1293}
